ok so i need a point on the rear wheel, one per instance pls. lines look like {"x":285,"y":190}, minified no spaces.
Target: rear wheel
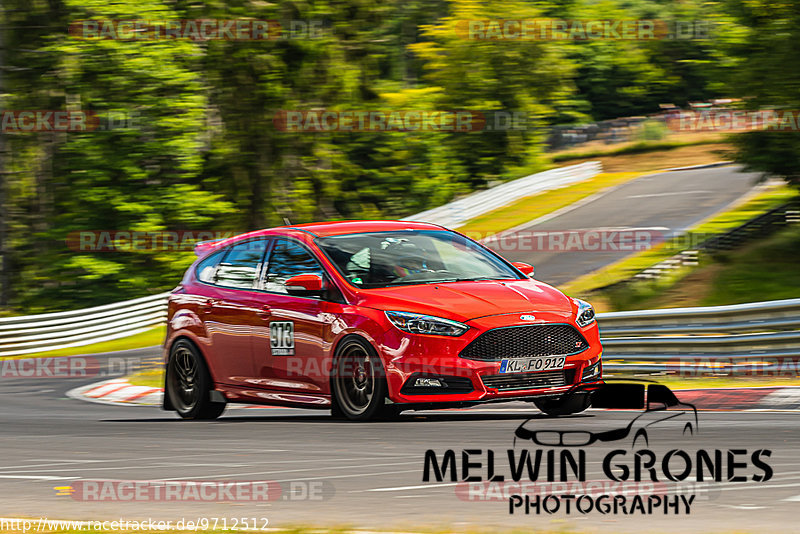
{"x":189,"y":384}
{"x":359,"y":383}
{"x":567,"y":405}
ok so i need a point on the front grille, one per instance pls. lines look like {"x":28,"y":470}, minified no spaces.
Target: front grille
{"x":525,"y":342}
{"x":543,"y":379}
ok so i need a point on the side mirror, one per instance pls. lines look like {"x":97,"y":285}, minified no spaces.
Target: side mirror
{"x":304,"y":285}
{"x":619,"y":396}
{"x":525,"y":268}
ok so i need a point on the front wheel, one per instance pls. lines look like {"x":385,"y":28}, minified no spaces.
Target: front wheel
{"x":567,"y":405}
{"x":188,"y":384}
{"x":359,"y":385}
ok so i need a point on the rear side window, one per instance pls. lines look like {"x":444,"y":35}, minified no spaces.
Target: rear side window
{"x":241,"y":265}
{"x":206,"y":268}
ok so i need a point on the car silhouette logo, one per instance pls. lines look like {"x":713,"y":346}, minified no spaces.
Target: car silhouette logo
{"x":527,"y":318}
{"x":659,"y":406}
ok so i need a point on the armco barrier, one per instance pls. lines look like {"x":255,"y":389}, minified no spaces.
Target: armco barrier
{"x":459,"y":211}
{"x":50,"y":331}
{"x":714,"y":338}
{"x":641,"y":340}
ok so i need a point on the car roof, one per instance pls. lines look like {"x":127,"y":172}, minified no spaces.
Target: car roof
{"x":324,"y":229}
{"x":319,"y":229}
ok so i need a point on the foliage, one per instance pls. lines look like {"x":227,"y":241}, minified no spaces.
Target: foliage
{"x":767,"y":48}
{"x":200,"y":148}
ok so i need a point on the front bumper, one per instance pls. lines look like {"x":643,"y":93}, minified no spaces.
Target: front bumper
{"x":408,"y":357}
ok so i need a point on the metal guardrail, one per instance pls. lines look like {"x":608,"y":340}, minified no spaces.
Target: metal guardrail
{"x":705,"y":339}
{"x":30,"y":334}
{"x":456,"y":213}
{"x":720,"y":339}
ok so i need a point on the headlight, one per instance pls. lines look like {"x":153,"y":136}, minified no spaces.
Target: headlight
{"x":585,"y":315}
{"x":416,"y":323}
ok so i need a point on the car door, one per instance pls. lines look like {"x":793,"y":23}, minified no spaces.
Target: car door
{"x":232,"y":309}
{"x":291,"y":346}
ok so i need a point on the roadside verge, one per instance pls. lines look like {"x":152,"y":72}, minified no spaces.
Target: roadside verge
{"x":118,"y":391}
{"x":121,"y":392}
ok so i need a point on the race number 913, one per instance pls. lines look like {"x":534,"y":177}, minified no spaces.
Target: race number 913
{"x":281,"y":338}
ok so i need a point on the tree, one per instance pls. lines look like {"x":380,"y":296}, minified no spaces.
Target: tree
{"x":766,"y":49}
{"x":141,"y":177}
{"x":530,"y":77}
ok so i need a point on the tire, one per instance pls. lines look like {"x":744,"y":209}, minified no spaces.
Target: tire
{"x":575,"y":403}
{"x":358,"y":384}
{"x":188,"y":383}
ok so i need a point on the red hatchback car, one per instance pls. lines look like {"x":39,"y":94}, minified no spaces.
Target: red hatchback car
{"x":367,"y":318}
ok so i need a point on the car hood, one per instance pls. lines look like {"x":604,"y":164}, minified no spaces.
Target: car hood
{"x":463,"y":301}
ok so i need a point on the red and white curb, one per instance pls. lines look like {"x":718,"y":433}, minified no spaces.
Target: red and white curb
{"x":754,"y":398}
{"x":118,"y":391}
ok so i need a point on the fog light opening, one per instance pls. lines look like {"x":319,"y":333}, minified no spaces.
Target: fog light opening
{"x":428,"y":383}
{"x":592,"y":371}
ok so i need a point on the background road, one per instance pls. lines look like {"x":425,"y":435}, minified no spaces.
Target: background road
{"x":375,"y":469}
{"x":373,"y":472}
{"x":673,"y":201}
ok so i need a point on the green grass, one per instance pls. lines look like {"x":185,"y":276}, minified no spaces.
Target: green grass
{"x":720,"y":223}
{"x":765,"y":270}
{"x":529,"y":208}
{"x":153,"y":378}
{"x":154,"y":336}
{"x":633,"y":148}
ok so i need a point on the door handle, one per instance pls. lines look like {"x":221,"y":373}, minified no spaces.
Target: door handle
{"x":208,"y":305}
{"x":265,"y":311}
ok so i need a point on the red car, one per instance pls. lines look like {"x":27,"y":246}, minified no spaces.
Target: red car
{"x":367,"y":318}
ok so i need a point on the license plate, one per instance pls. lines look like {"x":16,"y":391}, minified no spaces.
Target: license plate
{"x":527,"y":365}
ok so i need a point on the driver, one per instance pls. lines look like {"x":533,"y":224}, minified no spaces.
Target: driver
{"x":410,"y":263}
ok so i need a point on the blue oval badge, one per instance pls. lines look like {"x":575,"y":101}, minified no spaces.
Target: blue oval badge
{"x":527,"y":318}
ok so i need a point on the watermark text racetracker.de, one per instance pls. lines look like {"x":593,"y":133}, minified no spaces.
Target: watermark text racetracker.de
{"x":545,"y":29}
{"x":734,"y":120}
{"x":393,"y":120}
{"x":724,"y":365}
{"x":197,"y":29}
{"x":212,"y":491}
{"x":43,"y":524}
{"x":138,"y":240}
{"x":22,"y":121}
{"x":68,"y":367}
{"x":591,"y":240}
{"x":582,"y":240}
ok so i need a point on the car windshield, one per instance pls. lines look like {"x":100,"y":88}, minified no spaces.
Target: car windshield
{"x":383,"y":259}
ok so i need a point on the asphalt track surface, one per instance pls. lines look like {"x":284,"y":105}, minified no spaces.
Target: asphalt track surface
{"x":667,"y":203}
{"x":370,"y":473}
